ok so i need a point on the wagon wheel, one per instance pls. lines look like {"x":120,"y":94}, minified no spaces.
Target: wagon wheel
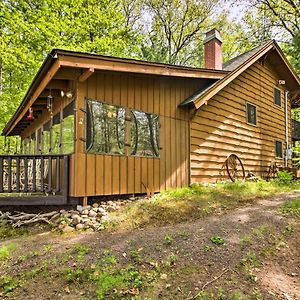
{"x":234,"y":168}
{"x":273,"y":169}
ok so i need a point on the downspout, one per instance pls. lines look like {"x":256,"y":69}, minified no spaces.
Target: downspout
{"x":287,"y":151}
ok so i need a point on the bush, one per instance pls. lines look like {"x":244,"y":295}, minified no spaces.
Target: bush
{"x":284,"y":177}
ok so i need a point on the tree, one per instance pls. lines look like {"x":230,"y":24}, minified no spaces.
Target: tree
{"x":176,"y":29}
{"x":30,"y":29}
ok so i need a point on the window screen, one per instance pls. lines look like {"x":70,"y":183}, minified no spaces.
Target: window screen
{"x":251,"y":114}
{"x":277,"y":96}
{"x":278,"y":149}
{"x":144,"y":134}
{"x":56,"y":134}
{"x":105,"y":128}
{"x":46,"y":138}
{"x":68,"y":129}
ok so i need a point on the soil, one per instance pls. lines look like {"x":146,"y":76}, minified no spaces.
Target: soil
{"x":258,"y":260}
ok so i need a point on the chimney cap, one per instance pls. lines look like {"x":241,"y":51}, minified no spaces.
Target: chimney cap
{"x":212,"y":34}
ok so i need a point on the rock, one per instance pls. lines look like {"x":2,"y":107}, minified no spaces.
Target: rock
{"x":101,"y":210}
{"x":79,"y":226}
{"x":105,"y":218}
{"x":85,"y":212}
{"x":79,"y":208}
{"x":95,"y":205}
{"x":67,"y":229}
{"x":62,"y":211}
{"x":92,"y":213}
{"x":76,"y":219}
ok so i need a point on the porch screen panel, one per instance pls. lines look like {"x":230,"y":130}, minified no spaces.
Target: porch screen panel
{"x":144,"y":134}
{"x":32,"y":144}
{"x":105,"y":128}
{"x":56,"y":134}
{"x":68,"y":129}
{"x":46,"y":138}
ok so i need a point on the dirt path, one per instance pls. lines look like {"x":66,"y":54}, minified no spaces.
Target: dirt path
{"x":260,"y":257}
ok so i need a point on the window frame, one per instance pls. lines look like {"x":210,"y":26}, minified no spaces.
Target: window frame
{"x":247,"y":119}
{"x":276,"y":156}
{"x":274,"y":97}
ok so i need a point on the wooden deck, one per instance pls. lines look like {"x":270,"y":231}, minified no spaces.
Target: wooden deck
{"x":34,"y":179}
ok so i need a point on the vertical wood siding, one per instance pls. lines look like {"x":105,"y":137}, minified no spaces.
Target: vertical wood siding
{"x":97,"y":174}
{"x":220,"y":128}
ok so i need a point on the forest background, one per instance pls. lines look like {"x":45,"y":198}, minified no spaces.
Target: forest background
{"x":167,"y":31}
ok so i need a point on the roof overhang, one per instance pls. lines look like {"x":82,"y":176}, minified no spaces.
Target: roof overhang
{"x":277,"y":60}
{"x":87,"y":64}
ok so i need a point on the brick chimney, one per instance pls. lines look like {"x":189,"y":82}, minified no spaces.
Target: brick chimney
{"x":213,"y":50}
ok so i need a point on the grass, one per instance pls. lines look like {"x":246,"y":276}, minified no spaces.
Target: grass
{"x":192,"y":203}
{"x":291,"y":207}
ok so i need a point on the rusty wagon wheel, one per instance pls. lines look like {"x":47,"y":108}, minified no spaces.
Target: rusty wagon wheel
{"x":273,"y":169}
{"x":234,"y":168}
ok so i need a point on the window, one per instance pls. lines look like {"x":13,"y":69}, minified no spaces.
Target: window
{"x":68,"y":129}
{"x":105,"y":128}
{"x":278,"y":149}
{"x":144,"y":134}
{"x":251,"y":114}
{"x":277,"y":96}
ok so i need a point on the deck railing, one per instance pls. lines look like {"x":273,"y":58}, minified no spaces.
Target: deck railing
{"x":44,"y":174}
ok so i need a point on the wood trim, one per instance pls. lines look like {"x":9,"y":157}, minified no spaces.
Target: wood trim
{"x":50,"y":74}
{"x":86,"y":74}
{"x":143,"y":68}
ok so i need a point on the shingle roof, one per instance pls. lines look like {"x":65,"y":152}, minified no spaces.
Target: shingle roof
{"x":235,"y":62}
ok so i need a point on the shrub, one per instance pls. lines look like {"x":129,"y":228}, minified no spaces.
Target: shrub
{"x":284,"y":177}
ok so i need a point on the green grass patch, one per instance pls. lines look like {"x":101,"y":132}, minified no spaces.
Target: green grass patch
{"x":7,"y":231}
{"x":291,"y":207}
{"x":195,"y":202}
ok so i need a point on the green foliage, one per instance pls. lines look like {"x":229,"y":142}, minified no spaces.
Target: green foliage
{"x":6,"y":231}
{"x":81,"y":251}
{"x":5,"y":251}
{"x":217,"y":240}
{"x":121,"y":279}
{"x":284,"y":177}
{"x":8,"y":284}
{"x":291,"y":207}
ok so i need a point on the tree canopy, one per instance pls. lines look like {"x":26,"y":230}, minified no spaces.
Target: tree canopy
{"x":158,"y":30}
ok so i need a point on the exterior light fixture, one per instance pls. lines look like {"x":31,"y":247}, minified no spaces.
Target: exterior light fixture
{"x":69,"y":94}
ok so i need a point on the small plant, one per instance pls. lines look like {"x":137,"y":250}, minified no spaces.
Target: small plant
{"x":81,"y":251}
{"x":5,"y":250}
{"x":109,"y":259}
{"x":8,"y":284}
{"x":171,"y":260}
{"x":217,"y":240}
{"x":208,"y":248}
{"x":284,"y":177}
{"x":169,"y":239}
{"x":77,"y":275}
{"x":136,"y":255}
{"x":48,"y":248}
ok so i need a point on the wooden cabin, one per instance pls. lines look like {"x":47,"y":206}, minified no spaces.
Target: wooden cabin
{"x":95,"y":125}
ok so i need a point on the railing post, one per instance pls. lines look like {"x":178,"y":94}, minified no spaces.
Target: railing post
{"x":65,"y":185}
{"x":18,"y":174}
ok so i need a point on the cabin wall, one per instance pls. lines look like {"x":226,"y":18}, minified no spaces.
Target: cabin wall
{"x":220,"y":127}
{"x":98,"y":174}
